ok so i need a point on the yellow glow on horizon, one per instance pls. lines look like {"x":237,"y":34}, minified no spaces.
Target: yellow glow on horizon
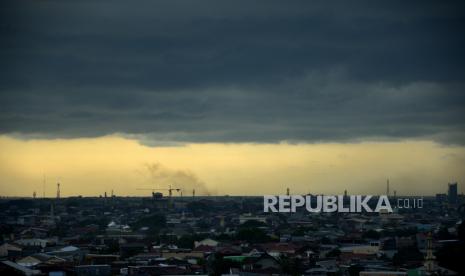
{"x":91,"y":166}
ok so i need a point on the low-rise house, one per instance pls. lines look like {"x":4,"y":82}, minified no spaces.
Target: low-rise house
{"x":39,"y":258}
{"x":11,"y":268}
{"x":278,"y":249}
{"x":357,"y":252}
{"x":93,"y":270}
{"x":156,"y":270}
{"x":34,"y":232}
{"x":207,"y":242}
{"x":249,"y":217}
{"x":10,"y":250}
{"x":34,"y":242}
{"x":323,"y":268}
{"x":263,"y":264}
{"x":383,"y":273}
{"x":69,"y":252}
{"x":98,"y":259}
{"x":182,"y":254}
{"x":205,"y":249}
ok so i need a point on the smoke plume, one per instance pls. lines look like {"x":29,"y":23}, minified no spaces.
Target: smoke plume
{"x":162,"y":177}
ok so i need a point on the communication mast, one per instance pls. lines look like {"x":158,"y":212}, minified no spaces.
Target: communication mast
{"x":43,"y":187}
{"x":387,"y":187}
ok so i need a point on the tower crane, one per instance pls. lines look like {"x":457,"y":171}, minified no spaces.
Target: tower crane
{"x":170,"y":190}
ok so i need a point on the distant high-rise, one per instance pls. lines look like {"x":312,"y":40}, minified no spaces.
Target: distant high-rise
{"x":452,"y":193}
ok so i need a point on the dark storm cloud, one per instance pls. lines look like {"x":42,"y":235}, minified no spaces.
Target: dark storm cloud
{"x":233,"y":72}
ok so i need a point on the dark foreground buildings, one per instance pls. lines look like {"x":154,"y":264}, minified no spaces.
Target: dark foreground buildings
{"x":225,"y":235}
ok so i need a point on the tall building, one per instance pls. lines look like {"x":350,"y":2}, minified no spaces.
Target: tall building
{"x":430,"y":262}
{"x":452,"y":193}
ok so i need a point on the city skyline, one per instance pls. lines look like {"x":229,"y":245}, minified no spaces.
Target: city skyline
{"x":91,"y":166}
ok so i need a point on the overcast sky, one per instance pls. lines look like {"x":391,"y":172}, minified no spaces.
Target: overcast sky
{"x":232,"y":97}
{"x":236,"y":71}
